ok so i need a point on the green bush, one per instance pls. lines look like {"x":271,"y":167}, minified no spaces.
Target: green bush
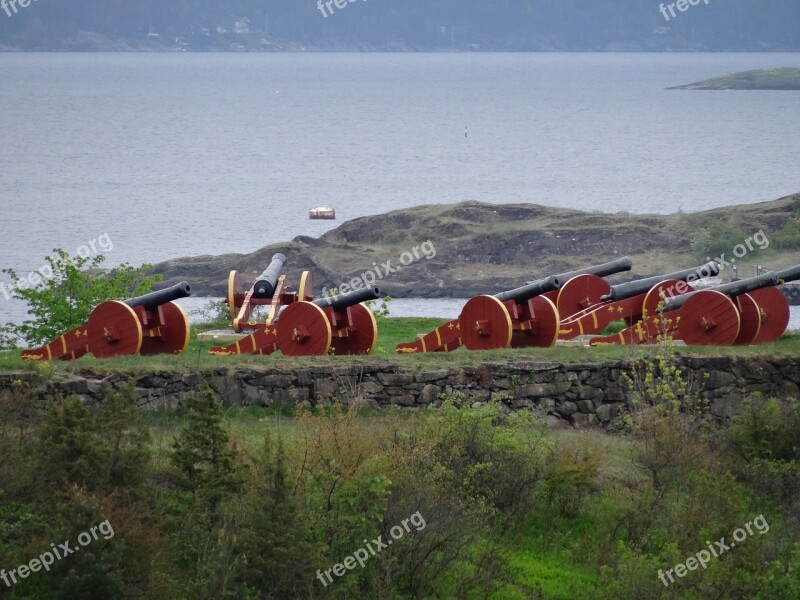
{"x":711,"y":242}
{"x":63,"y":298}
{"x":788,"y":237}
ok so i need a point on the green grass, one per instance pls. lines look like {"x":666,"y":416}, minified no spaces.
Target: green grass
{"x":392,"y":330}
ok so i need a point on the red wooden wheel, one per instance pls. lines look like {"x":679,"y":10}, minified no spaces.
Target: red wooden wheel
{"x":750,"y":315}
{"x":174,"y":336}
{"x":666,"y":289}
{"x":580,"y":293}
{"x":304,"y":330}
{"x":114,"y":330}
{"x":774,"y":314}
{"x":485,"y":324}
{"x":544,"y":329}
{"x":363,"y":336}
{"x":708,"y":318}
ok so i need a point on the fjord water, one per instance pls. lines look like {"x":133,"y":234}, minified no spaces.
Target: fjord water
{"x":186,"y":154}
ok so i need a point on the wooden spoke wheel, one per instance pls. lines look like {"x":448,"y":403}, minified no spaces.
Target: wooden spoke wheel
{"x":750,"y":316}
{"x":708,"y":318}
{"x":774,"y":314}
{"x":234,"y":285}
{"x":363,"y":336}
{"x":579,"y":293}
{"x":304,"y":330}
{"x":544,"y":330}
{"x":174,"y":336}
{"x":485,"y":324}
{"x":666,"y":289}
{"x":114,"y":330}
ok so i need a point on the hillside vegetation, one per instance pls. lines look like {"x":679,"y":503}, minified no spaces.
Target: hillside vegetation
{"x":485,"y":248}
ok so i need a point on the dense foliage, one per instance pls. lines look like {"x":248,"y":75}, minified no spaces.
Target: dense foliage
{"x":510,"y":508}
{"x":61,"y":295}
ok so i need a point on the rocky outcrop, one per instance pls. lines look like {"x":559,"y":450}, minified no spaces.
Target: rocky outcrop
{"x":480,"y":248}
{"x":577,"y":394}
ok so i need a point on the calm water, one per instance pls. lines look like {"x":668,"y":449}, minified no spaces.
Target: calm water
{"x":173,"y":155}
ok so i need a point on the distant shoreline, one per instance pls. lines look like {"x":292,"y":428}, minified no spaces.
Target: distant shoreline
{"x":763,"y":79}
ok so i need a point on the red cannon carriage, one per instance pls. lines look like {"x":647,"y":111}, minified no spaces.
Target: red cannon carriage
{"x":298,"y":325}
{"x":749,"y":311}
{"x":149,"y":324}
{"x":522,"y":317}
{"x":629,"y":301}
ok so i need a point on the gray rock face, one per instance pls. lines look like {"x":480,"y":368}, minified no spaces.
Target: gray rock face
{"x":577,"y":395}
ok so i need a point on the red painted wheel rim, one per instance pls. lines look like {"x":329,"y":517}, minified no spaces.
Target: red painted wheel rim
{"x":299,"y":318}
{"x":750,"y":315}
{"x":545,"y":331}
{"x":119,"y":320}
{"x":573,"y":295}
{"x":488,"y":310}
{"x":774,"y":314}
{"x":174,"y":335}
{"x":705,"y":307}
{"x":364,"y":335}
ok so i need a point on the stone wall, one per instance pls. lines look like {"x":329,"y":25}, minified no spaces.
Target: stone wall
{"x":580,"y":394}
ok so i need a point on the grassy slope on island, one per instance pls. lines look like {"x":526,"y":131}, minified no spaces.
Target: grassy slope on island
{"x":485,"y":248}
{"x":762,"y":79}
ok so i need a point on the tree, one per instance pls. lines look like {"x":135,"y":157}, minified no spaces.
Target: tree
{"x":61,"y":295}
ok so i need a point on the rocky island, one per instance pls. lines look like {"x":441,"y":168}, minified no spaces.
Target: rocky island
{"x":763,"y":79}
{"x":475,"y":248}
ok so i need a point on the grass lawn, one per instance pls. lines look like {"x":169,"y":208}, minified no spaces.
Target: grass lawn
{"x":392,"y":330}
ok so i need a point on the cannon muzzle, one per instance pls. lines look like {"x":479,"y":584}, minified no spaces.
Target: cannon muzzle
{"x":610,"y":268}
{"x":642,"y":286}
{"x":153,"y":300}
{"x":554,"y":282}
{"x":733,"y":289}
{"x":790,"y":274}
{"x":530,"y":290}
{"x":264,"y":286}
{"x":343,"y":301}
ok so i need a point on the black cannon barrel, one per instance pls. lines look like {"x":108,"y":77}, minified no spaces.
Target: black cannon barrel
{"x":264,"y":286}
{"x":604,"y":270}
{"x":155,"y":299}
{"x":641,"y":286}
{"x":790,"y":274}
{"x":534,"y":288}
{"x":554,"y":282}
{"x":733,"y":289}
{"x":343,"y":301}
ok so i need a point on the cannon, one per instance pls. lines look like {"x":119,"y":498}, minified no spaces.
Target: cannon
{"x":629,"y":300}
{"x":261,"y":293}
{"x":338,"y":325}
{"x":270,"y":289}
{"x":149,"y":324}
{"x":522,"y":317}
{"x":741,"y":312}
{"x":297,"y":325}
